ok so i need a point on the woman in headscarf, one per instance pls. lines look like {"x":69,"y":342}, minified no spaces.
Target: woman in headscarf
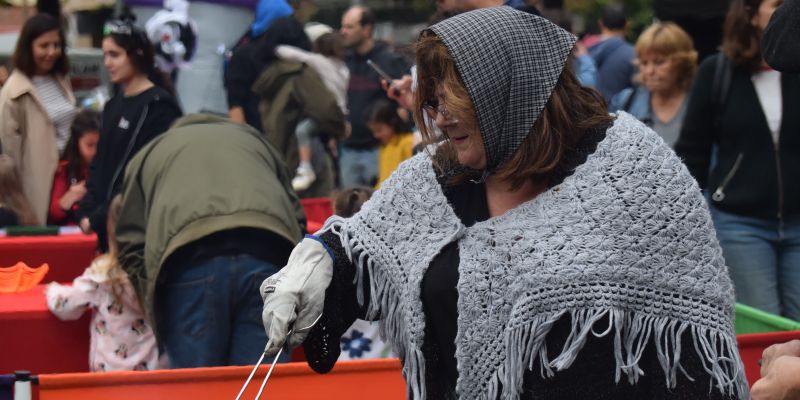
{"x":546,"y":250}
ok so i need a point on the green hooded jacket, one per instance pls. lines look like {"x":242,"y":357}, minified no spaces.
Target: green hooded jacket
{"x":291,"y":91}
{"x":206,"y":174}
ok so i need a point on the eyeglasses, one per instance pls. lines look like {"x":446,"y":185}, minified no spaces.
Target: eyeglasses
{"x":117,"y":27}
{"x":434,"y":107}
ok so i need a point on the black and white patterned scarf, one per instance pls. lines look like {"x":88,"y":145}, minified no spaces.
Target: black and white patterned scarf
{"x":510,"y":61}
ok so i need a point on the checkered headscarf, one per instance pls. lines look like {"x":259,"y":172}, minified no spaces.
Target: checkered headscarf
{"x":510,"y":62}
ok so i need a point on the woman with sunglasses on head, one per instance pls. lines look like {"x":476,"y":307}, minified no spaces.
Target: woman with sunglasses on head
{"x":546,"y":250}
{"x":143,"y":108}
{"x":37,"y":108}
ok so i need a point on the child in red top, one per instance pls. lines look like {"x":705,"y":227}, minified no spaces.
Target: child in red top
{"x":69,"y":184}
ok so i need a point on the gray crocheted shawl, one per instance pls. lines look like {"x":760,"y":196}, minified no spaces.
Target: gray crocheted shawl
{"x":624,"y":247}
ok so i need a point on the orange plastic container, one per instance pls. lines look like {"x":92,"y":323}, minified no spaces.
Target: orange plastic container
{"x":752,"y":345}
{"x":369,"y":379}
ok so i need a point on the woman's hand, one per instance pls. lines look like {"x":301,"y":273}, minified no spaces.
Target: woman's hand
{"x":780,"y":373}
{"x":73,"y":195}
{"x":399,"y":90}
{"x":294,"y":297}
{"x":85,"y":225}
{"x":782,"y":381}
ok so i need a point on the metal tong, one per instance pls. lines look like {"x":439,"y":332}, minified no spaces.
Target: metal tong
{"x":271,"y":367}
{"x":274,"y":361}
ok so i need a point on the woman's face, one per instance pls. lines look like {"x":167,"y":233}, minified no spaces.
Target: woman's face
{"x":119,"y":65}
{"x":87,"y":145}
{"x":462,"y":131}
{"x":764,"y":13}
{"x":657,"y":72}
{"x":381,"y":131}
{"x":47,"y":49}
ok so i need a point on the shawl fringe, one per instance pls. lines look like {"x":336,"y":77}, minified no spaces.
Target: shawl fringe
{"x":385,"y":303}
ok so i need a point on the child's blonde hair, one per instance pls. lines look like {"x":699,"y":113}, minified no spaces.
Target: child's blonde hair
{"x":109,"y":265}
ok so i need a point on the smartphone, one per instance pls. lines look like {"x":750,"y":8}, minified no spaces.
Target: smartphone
{"x":380,"y":71}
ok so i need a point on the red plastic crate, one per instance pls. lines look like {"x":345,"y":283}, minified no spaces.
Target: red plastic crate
{"x":752,"y":345}
{"x":317,"y":212}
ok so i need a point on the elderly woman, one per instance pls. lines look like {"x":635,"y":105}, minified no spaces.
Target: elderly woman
{"x":546,"y":250}
{"x":667,"y":64}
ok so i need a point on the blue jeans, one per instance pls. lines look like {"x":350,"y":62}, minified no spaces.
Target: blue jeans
{"x":304,"y":131}
{"x":358,"y":167}
{"x":210,"y":312}
{"x":763,"y":257}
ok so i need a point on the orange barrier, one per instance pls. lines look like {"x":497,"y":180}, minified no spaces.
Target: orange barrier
{"x":369,"y":379}
{"x":752,"y":345}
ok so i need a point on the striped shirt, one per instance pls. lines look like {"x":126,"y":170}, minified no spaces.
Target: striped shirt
{"x":57,"y":105}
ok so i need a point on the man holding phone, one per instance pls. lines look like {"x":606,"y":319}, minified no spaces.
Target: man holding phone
{"x":358,"y":158}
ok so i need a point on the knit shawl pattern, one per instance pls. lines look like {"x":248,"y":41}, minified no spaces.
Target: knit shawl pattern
{"x":624,"y":246}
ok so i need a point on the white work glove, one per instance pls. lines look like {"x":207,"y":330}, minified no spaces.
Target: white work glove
{"x":294,"y":297}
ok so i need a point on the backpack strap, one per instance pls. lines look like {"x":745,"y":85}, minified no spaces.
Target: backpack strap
{"x":723,"y":75}
{"x":629,"y":100}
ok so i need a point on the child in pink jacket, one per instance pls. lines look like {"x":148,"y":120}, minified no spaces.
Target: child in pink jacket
{"x":121,"y":339}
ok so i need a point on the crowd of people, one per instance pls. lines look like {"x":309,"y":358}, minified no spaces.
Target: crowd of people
{"x":551,"y":215}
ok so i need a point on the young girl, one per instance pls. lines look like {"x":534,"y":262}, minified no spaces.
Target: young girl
{"x":69,"y":184}
{"x":14,"y":206}
{"x":121,"y":340}
{"x":397,"y":143}
{"x":143,"y":109}
{"x":328,"y":61}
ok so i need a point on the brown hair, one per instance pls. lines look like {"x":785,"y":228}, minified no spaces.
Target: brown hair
{"x":34,"y":27}
{"x":740,"y":39}
{"x":571,"y":111}
{"x":670,"y":41}
{"x":349,"y":201}
{"x":11,"y":195}
{"x":86,"y":121}
{"x":330,"y":45}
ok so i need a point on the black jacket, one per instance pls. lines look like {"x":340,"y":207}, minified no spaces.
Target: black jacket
{"x":752,"y":176}
{"x":143,"y":116}
{"x":365,"y":89}
{"x":250,"y":60}
{"x":780,"y":44}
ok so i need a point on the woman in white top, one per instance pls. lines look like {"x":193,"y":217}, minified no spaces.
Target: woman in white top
{"x":37,"y":108}
{"x":742,"y":144}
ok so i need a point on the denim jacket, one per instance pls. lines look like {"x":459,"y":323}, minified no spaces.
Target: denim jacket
{"x":638,"y":106}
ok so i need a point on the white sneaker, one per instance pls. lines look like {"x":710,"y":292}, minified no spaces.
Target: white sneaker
{"x":303,"y":179}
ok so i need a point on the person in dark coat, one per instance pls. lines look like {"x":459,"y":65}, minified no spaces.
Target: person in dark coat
{"x":780,"y":45}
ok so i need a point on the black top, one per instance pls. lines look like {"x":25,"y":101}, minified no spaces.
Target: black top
{"x":439,"y":294}
{"x":249,"y":61}
{"x":7,"y":217}
{"x":590,"y":376}
{"x":128,"y":124}
{"x":364,"y":89}
{"x":763,"y":182}
{"x":259,"y":243}
{"x":780,"y":46}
